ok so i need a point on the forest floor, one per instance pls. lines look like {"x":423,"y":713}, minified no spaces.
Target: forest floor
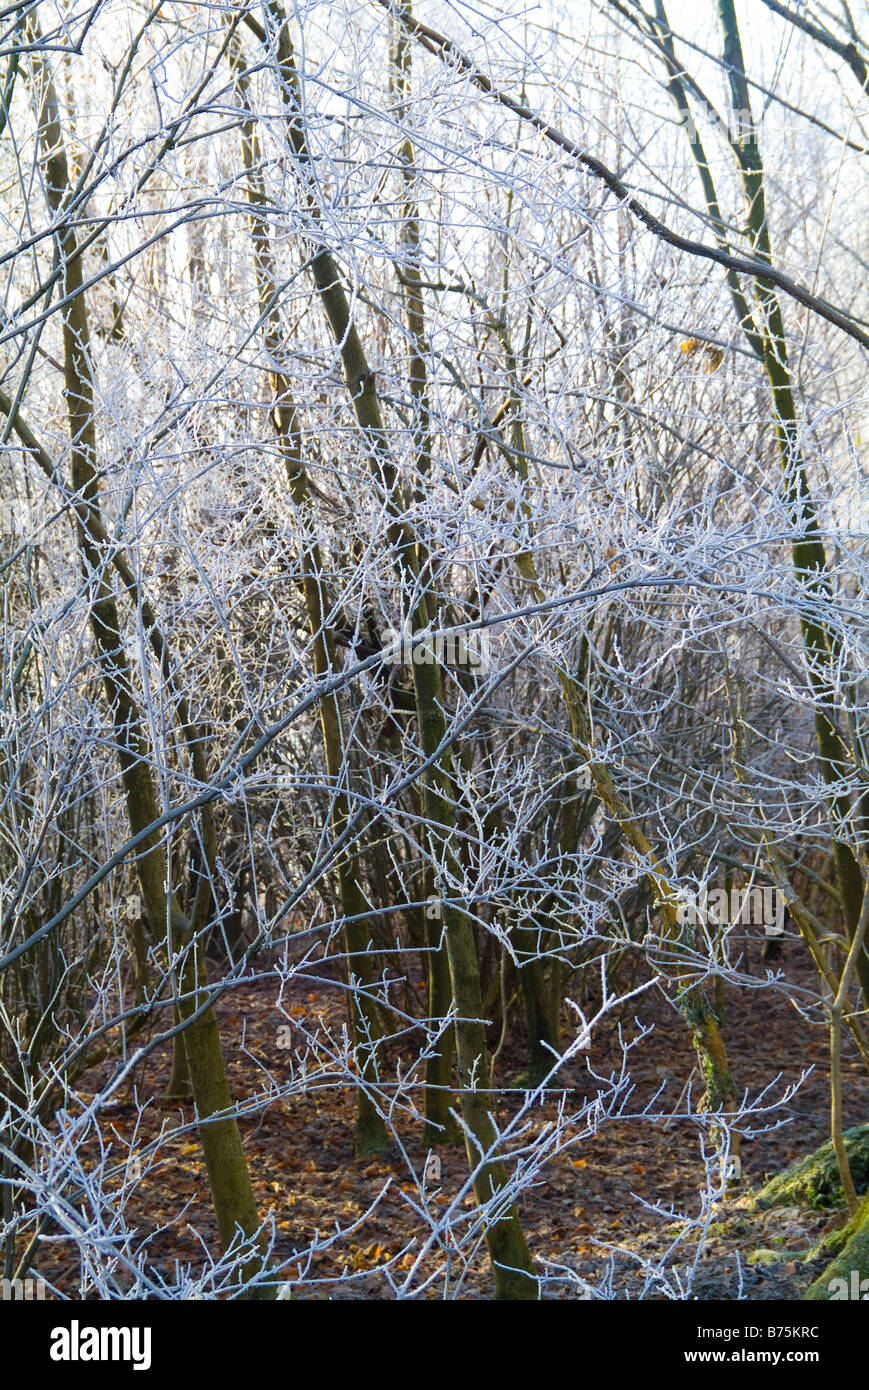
{"x":585,"y":1220}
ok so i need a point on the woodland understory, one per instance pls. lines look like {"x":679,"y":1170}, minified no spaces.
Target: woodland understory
{"x":434,"y":776}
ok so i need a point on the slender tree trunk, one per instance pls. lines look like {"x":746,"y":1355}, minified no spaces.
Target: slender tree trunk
{"x":720,"y":1092}
{"x":541,"y":1011}
{"x":440,"y":1126}
{"x":179,"y":1077}
{"x":232,"y":1194}
{"x":371,"y":1133}
{"x":807,"y":548}
{"x":766,"y":336}
{"x":508,"y":1251}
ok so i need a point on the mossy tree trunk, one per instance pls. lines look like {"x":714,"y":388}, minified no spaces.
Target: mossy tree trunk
{"x":763,"y":326}
{"x":844,"y":1275}
{"x":231,"y":1189}
{"x":511,"y":1261}
{"x":371,"y":1133}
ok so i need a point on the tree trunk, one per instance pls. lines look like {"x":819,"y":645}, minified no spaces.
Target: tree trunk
{"x":232,"y":1194}
{"x":511,"y":1260}
{"x":371,"y":1133}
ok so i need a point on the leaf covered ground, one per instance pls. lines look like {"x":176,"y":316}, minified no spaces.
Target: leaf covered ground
{"x":609,"y":1215}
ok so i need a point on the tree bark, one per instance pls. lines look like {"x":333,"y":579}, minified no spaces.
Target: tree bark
{"x":231,"y":1189}
{"x":511,"y":1261}
{"x":371,"y":1133}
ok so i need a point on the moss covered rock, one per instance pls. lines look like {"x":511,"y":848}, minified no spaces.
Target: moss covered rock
{"x":814,"y":1181}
